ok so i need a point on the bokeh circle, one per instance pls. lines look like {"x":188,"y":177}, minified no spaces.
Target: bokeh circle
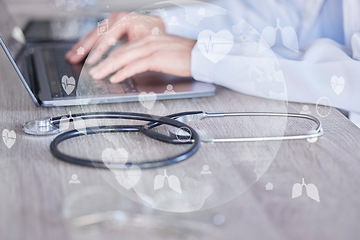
{"x":231,"y":168}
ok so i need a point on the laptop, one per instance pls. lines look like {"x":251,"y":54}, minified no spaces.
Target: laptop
{"x":52,"y":81}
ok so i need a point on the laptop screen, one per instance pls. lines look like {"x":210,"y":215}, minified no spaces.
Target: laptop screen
{"x":10,"y":32}
{"x":12,"y":41}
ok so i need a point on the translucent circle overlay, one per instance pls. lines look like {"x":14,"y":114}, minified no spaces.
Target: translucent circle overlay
{"x":183,"y":134}
{"x":218,"y":172}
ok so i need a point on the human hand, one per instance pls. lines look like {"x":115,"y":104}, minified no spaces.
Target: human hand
{"x":161,"y":53}
{"x":134,"y":26}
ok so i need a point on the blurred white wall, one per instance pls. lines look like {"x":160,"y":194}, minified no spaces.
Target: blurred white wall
{"x":43,"y":8}
{"x":23,"y":10}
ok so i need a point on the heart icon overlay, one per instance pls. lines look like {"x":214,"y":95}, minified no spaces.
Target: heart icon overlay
{"x":68,"y":84}
{"x":215,"y":46}
{"x":127,"y":178}
{"x":337,"y":84}
{"x":9,"y":138}
{"x":147,"y":99}
{"x":79,"y":123}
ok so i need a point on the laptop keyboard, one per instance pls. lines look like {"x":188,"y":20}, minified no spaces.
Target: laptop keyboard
{"x":56,"y":57}
{"x":103,"y":87}
{"x":57,"y":67}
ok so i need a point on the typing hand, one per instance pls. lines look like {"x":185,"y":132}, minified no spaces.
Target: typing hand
{"x":120,"y":24}
{"x":161,"y":53}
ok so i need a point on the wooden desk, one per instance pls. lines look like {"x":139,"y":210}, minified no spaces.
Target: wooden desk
{"x":36,"y":196}
{"x":37,"y":199}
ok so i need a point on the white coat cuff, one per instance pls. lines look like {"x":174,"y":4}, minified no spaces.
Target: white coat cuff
{"x":201,"y":67}
{"x":355,"y":118}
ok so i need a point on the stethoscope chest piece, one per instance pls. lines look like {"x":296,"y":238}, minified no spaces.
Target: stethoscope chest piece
{"x":41,"y":127}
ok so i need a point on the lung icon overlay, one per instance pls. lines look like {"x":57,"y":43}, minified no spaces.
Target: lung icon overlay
{"x":288,"y":36}
{"x":311,"y":190}
{"x":173,"y":181}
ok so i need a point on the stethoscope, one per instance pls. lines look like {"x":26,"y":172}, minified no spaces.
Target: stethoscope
{"x":179,"y":133}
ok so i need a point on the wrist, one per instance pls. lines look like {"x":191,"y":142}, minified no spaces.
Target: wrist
{"x":200,"y":66}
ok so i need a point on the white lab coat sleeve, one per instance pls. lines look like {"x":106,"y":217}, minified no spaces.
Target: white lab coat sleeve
{"x":183,"y":18}
{"x":326,"y":70}
{"x":186,"y":17}
{"x":306,"y":80}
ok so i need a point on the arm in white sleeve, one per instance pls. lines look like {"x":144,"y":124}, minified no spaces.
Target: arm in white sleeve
{"x":309,"y":75}
{"x":306,"y":79}
{"x":187,"y":17}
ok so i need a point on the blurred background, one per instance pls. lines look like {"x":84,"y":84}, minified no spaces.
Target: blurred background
{"x":24,"y":10}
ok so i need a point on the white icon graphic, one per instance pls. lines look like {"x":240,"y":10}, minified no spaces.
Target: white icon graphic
{"x":129,"y":177}
{"x":139,"y":29}
{"x":111,"y":41}
{"x":9,"y":137}
{"x":323,"y":107}
{"x":80,"y":51}
{"x":79,"y":123}
{"x":173,"y":21}
{"x":201,"y":12}
{"x":111,"y":156}
{"x":206,"y":170}
{"x":237,"y":28}
{"x":305,"y":109}
{"x":311,"y":190}
{"x":337,"y":84}
{"x":147,"y":99}
{"x":215,"y":46}
{"x":102,"y":27}
{"x":288,"y":34}
{"x":74,"y":179}
{"x":266,"y":81}
{"x":173,"y":181}
{"x":246,"y":34}
{"x":183,"y":134}
{"x":269,"y":186}
{"x":68,"y":84}
{"x":219,"y":219}
{"x":169,"y":89}
{"x":155,"y":31}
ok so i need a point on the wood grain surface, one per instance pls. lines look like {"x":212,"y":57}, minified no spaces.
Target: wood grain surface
{"x":38,"y":202}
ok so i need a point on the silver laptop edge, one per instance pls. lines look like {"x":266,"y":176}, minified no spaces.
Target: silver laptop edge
{"x":13,"y":42}
{"x":18,"y":72}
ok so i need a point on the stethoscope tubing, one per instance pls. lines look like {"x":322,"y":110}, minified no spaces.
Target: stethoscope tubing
{"x":124,"y":128}
{"x":175,"y":120}
{"x":317,"y":132}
